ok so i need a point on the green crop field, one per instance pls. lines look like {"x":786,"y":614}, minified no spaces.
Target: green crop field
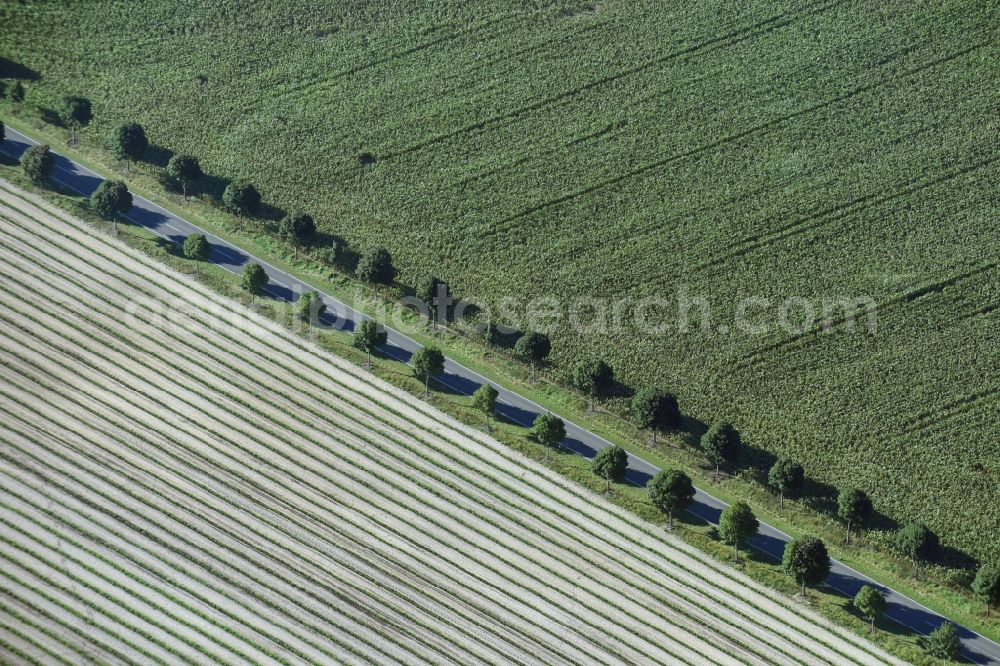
{"x":813,"y":150}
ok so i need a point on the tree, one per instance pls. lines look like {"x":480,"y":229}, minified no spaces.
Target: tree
{"x":428,"y":362}
{"x":376,"y":267}
{"x":37,"y":163}
{"x":785,"y":476}
{"x":17,"y":92}
{"x":737,"y":524}
{"x":986,"y":586}
{"x":671,"y":491}
{"x":943,"y":642}
{"x":129,"y":142}
{"x":916,"y":542}
{"x":656,"y":410}
{"x":76,"y":113}
{"x":548,"y":430}
{"x":111,"y":199}
{"x":242,"y":199}
{"x":485,"y":400}
{"x":854,"y":508}
{"x":721,"y":444}
{"x":533,"y":348}
{"x":807,"y":560}
{"x":368,"y":336}
{"x":185,"y":170}
{"x":310,"y":306}
{"x":299,"y":228}
{"x":870,"y":602}
{"x":592,"y":376}
{"x":196,"y":247}
{"x":610,"y":464}
{"x":428,"y":291}
{"x":254,"y":279}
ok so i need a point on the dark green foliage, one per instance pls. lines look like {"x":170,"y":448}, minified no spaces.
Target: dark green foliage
{"x":917,"y":542}
{"x":128,"y":142}
{"x":638,"y":186}
{"x":184,"y":169}
{"x":299,"y":228}
{"x":3,"y":131}
{"x":786,"y":476}
{"x":310,"y":307}
{"x":943,"y":642}
{"x":485,"y":400}
{"x":870,"y":602}
{"x":17,"y":92}
{"x":197,"y":247}
{"x":548,"y":430}
{"x":111,"y":199}
{"x":368,"y":336}
{"x":376,"y":267}
{"x":533,"y":348}
{"x":986,"y":586}
{"x":254,"y":279}
{"x":721,"y":444}
{"x":242,"y":199}
{"x":428,"y":362}
{"x":427,"y":291}
{"x":854,"y":508}
{"x":656,"y":410}
{"x":671,"y":491}
{"x":593,"y":377}
{"x":37,"y":163}
{"x":807,"y":560}
{"x":75,"y":114}
{"x":737,"y":524}
{"x":610,"y":464}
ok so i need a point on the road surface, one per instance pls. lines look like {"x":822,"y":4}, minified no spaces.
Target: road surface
{"x":511,"y":405}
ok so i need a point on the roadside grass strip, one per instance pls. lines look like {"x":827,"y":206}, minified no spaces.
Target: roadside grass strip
{"x":354,"y":504}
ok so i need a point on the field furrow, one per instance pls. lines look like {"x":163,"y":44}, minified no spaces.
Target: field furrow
{"x":311,"y":360}
{"x":253,"y":499}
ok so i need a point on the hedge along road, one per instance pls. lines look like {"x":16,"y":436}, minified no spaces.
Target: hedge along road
{"x":511,"y":405}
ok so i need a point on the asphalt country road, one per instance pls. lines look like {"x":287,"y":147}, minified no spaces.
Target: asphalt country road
{"x":512,"y":406}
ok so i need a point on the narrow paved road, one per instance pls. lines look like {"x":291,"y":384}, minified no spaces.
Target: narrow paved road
{"x":512,"y":406}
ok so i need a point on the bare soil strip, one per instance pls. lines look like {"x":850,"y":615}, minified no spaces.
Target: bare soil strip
{"x":218,"y":490}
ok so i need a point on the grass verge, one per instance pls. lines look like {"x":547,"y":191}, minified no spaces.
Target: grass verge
{"x":670,"y":452}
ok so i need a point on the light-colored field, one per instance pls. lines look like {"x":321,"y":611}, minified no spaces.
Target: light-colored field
{"x":184,"y":481}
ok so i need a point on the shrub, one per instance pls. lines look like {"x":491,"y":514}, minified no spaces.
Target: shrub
{"x":376,"y":267}
{"x":721,"y":444}
{"x":786,"y":476}
{"x":943,"y":642}
{"x":37,"y":163}
{"x":593,"y":377}
{"x":737,"y":524}
{"x":128,"y":142}
{"x":671,"y":491}
{"x":610,"y":464}
{"x":656,"y":410}
{"x":807,"y":560}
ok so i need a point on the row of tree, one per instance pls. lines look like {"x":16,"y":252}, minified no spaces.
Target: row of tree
{"x":652,"y":408}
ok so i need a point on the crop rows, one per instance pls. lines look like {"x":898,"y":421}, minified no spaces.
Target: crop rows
{"x":203,"y":491}
{"x":581,"y":149}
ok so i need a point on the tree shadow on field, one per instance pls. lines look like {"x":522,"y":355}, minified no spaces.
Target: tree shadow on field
{"x":158,"y":156}
{"x":9,"y":69}
{"x":50,"y":117}
{"x":954,"y":557}
{"x":168,"y":246}
{"x":208,"y":185}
